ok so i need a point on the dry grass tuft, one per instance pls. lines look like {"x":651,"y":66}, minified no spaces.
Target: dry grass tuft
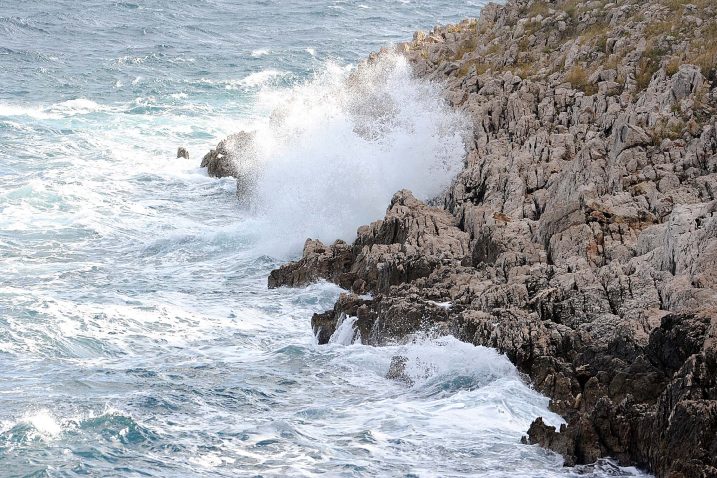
{"x":648,"y":65}
{"x":578,"y":78}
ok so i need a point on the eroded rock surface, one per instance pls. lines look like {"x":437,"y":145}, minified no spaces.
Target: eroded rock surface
{"x":581,"y":237}
{"x":235,"y":156}
{"x":410,"y":242}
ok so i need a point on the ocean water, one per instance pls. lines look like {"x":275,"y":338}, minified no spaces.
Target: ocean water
{"x":137,"y":335}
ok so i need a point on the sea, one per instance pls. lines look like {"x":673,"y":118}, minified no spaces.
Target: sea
{"x":138,"y":337}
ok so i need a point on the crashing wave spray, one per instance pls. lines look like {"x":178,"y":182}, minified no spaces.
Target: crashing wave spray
{"x":335,"y":149}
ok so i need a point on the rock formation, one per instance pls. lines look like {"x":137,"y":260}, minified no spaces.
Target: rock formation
{"x":182,"y":153}
{"x":235,"y":156}
{"x":581,"y":237}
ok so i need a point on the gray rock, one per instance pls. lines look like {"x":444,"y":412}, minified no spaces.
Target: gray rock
{"x":410,"y":242}
{"x":581,"y":237}
{"x":234,"y":156}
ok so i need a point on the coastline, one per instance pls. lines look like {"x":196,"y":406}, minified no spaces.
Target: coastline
{"x":580,"y":239}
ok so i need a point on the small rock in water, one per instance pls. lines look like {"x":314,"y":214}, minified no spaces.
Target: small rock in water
{"x":397,"y":370}
{"x":234,"y":156}
{"x":182,"y":153}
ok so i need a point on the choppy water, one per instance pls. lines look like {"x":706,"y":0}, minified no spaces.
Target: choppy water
{"x":137,"y":336}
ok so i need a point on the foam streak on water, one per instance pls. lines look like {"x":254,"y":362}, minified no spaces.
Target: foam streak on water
{"x":137,"y":335}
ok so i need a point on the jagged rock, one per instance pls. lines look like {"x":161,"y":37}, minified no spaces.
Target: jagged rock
{"x":235,"y":156}
{"x":655,"y":408}
{"x":331,"y":263}
{"x":581,"y":237}
{"x":182,"y":153}
{"x":383,"y":319}
{"x":412,"y":241}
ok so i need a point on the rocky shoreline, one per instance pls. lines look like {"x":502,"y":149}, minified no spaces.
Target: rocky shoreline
{"x":580,"y":239}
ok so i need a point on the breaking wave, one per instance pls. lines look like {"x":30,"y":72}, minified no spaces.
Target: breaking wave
{"x":333,"y":150}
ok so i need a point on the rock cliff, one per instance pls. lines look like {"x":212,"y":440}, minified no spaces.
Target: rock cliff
{"x":581,"y":237}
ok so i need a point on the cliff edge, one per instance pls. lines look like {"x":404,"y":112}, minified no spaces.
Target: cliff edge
{"x":581,"y":237}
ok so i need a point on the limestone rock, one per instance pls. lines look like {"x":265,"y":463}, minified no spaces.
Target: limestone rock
{"x":234,"y":156}
{"x":411,"y":241}
{"x":331,"y":263}
{"x":581,"y":237}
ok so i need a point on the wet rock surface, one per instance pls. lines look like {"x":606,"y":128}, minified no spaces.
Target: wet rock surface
{"x":235,"y":156}
{"x":580,"y":238}
{"x":410,"y":242}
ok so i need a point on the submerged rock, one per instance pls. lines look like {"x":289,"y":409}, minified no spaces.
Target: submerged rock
{"x":397,"y":370}
{"x":182,"y":153}
{"x":581,"y":237}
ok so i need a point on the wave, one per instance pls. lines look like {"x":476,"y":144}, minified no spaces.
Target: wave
{"x":18,"y":24}
{"x":83,"y":106}
{"x":78,"y":106}
{"x":332,"y":151}
{"x":18,"y":110}
{"x":42,"y":424}
{"x":259,"y":78}
{"x":260,"y":52}
{"x":459,"y":386}
{"x":251,"y":81}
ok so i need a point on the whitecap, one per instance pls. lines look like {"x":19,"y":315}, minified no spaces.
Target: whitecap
{"x":44,"y":423}
{"x":260,"y":52}
{"x":79,"y":106}
{"x":257,"y":79}
{"x":36,"y":112}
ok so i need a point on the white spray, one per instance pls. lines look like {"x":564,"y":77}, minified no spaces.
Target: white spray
{"x":335,"y":149}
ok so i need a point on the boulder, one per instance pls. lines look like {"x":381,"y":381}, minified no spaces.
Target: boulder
{"x":234,"y":156}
